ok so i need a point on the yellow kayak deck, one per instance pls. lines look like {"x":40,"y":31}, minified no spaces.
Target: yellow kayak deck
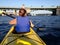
{"x":30,"y":38}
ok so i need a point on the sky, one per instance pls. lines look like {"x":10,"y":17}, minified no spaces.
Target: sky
{"x":29,"y":3}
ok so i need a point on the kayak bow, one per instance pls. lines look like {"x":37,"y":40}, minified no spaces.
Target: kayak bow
{"x":30,"y":38}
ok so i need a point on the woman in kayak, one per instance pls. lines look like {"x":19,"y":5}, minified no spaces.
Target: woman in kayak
{"x":22,"y":22}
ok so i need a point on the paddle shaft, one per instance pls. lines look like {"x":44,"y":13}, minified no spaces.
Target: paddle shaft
{"x":14,"y":18}
{"x":10,"y":16}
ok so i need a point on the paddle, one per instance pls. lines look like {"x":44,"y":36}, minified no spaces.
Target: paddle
{"x":14,"y":18}
{"x":10,"y":16}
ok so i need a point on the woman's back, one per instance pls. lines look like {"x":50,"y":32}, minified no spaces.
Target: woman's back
{"x":23,"y":24}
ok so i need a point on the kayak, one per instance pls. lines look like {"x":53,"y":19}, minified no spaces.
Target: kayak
{"x":30,"y":38}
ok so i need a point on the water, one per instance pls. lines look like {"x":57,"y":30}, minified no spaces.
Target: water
{"x":51,"y":24}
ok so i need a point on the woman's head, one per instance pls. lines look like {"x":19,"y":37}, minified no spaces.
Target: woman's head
{"x":22,"y":12}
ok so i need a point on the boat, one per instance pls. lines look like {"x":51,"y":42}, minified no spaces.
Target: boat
{"x":30,"y":38}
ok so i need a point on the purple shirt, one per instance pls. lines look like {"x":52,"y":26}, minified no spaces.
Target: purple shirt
{"x":23,"y":24}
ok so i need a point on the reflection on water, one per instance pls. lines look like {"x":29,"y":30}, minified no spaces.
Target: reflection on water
{"x":50,"y":32}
